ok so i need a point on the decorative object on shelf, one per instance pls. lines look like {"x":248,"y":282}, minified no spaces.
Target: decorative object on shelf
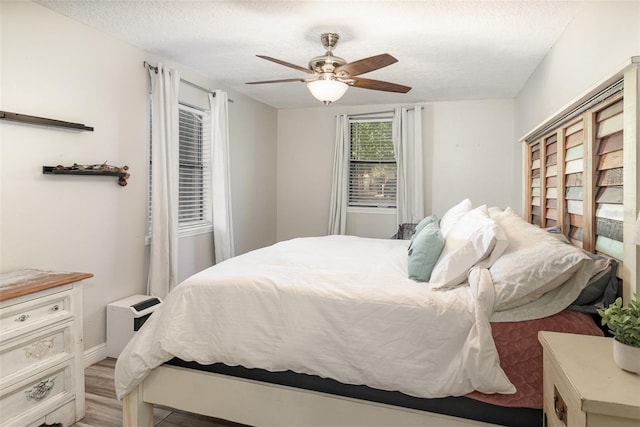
{"x":98,"y":169}
{"x":624,"y":324}
{"x":24,"y":118}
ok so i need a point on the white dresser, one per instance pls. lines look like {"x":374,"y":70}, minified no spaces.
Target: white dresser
{"x":583,"y":387}
{"x":41,"y":349}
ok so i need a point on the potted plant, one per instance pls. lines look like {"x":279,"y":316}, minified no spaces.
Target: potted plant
{"x":624,"y":324}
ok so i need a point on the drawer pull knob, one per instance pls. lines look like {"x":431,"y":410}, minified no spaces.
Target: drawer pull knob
{"x":559,"y":406}
{"x":41,"y":390}
{"x":22,"y":318}
{"x":55,"y":308}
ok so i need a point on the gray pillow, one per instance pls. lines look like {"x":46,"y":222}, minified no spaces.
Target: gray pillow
{"x":602,"y":288}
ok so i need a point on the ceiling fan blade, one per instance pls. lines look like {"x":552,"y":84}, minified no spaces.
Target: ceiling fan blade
{"x":380,"y":85}
{"x":276,"y":81}
{"x":286,"y":64}
{"x":365,"y":65}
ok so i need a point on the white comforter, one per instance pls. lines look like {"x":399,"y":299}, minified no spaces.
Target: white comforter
{"x":336,"y":306}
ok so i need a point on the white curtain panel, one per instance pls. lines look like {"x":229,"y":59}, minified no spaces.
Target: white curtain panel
{"x":407,"y":145}
{"x":220,"y":175}
{"x":163,"y":259}
{"x":339,"y":190}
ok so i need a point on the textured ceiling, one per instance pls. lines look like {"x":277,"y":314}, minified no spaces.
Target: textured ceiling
{"x":446,"y":50}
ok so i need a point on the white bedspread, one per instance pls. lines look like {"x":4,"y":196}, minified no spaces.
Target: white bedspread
{"x":336,"y":306}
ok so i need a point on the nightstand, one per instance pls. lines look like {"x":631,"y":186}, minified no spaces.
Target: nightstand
{"x":583,"y":386}
{"x":41,"y":349}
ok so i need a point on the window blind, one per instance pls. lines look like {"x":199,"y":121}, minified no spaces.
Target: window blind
{"x":372,"y":164}
{"x":194,"y":170}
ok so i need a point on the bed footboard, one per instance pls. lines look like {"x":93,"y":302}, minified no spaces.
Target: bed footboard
{"x":265,"y":405}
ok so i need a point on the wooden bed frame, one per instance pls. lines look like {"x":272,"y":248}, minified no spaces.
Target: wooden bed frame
{"x":258,"y":403}
{"x":262,"y":404}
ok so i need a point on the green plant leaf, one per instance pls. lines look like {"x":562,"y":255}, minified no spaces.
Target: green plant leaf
{"x":623,"y":321}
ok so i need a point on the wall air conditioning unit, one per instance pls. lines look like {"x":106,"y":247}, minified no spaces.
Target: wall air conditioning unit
{"x":125,"y":317}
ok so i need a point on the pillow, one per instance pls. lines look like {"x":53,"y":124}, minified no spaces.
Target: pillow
{"x":453,"y":215}
{"x":602,"y":288}
{"x":425,"y":221}
{"x":494,"y":211}
{"x":474,"y":238}
{"x":535,"y":263}
{"x":424,"y":252}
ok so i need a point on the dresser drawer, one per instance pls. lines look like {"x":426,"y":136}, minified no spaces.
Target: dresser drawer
{"x":561,"y":404}
{"x":24,"y":402}
{"x":64,"y":415}
{"x":35,"y":351}
{"x":19,"y":318}
{"x":583,"y":387}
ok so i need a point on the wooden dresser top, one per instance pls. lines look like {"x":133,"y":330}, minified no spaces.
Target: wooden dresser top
{"x":24,"y":282}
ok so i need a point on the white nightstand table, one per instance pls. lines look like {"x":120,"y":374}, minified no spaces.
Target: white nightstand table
{"x":583,"y":386}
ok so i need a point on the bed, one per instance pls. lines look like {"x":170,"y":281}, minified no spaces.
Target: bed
{"x":335,"y":333}
{"x":335,"y":321}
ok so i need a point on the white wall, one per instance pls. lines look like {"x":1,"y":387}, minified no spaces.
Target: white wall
{"x":472,"y":150}
{"x":460,"y":140}
{"x":600,"y":39}
{"x":253,"y":153}
{"x":57,"y":68}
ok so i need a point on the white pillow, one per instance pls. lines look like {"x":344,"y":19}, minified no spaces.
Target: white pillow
{"x":474,"y":240}
{"x":453,"y":215}
{"x":494,"y":211}
{"x":534,"y":263}
{"x":501,"y":242}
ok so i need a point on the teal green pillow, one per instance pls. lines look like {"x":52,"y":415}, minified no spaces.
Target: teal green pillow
{"x":424,"y":252}
{"x":422,"y":224}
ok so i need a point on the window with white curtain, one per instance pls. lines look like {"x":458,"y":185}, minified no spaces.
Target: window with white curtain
{"x":194,"y":207}
{"x":372,"y":164}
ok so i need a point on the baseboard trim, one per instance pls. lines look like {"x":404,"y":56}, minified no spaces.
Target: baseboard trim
{"x":95,"y":354}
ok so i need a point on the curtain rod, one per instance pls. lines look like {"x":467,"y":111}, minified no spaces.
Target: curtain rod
{"x":375,"y":113}
{"x":204,"y":89}
{"x":368,"y":114}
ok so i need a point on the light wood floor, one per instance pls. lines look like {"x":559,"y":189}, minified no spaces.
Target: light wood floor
{"x":105,"y":410}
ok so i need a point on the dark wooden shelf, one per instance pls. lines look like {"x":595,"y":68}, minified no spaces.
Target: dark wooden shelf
{"x":34,"y":120}
{"x":54,"y":170}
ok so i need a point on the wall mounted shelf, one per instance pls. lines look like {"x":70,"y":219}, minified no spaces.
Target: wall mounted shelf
{"x":121,"y":173}
{"x":24,"y":118}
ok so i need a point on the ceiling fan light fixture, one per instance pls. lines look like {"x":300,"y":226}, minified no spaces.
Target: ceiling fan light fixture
{"x":332,"y":75}
{"x":327,"y":91}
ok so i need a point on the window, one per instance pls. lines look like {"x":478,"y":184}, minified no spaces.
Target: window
{"x":194,"y":211}
{"x":193,"y":188}
{"x":372,"y":164}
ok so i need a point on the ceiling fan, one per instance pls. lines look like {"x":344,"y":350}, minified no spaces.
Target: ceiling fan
{"x":332,"y":75}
